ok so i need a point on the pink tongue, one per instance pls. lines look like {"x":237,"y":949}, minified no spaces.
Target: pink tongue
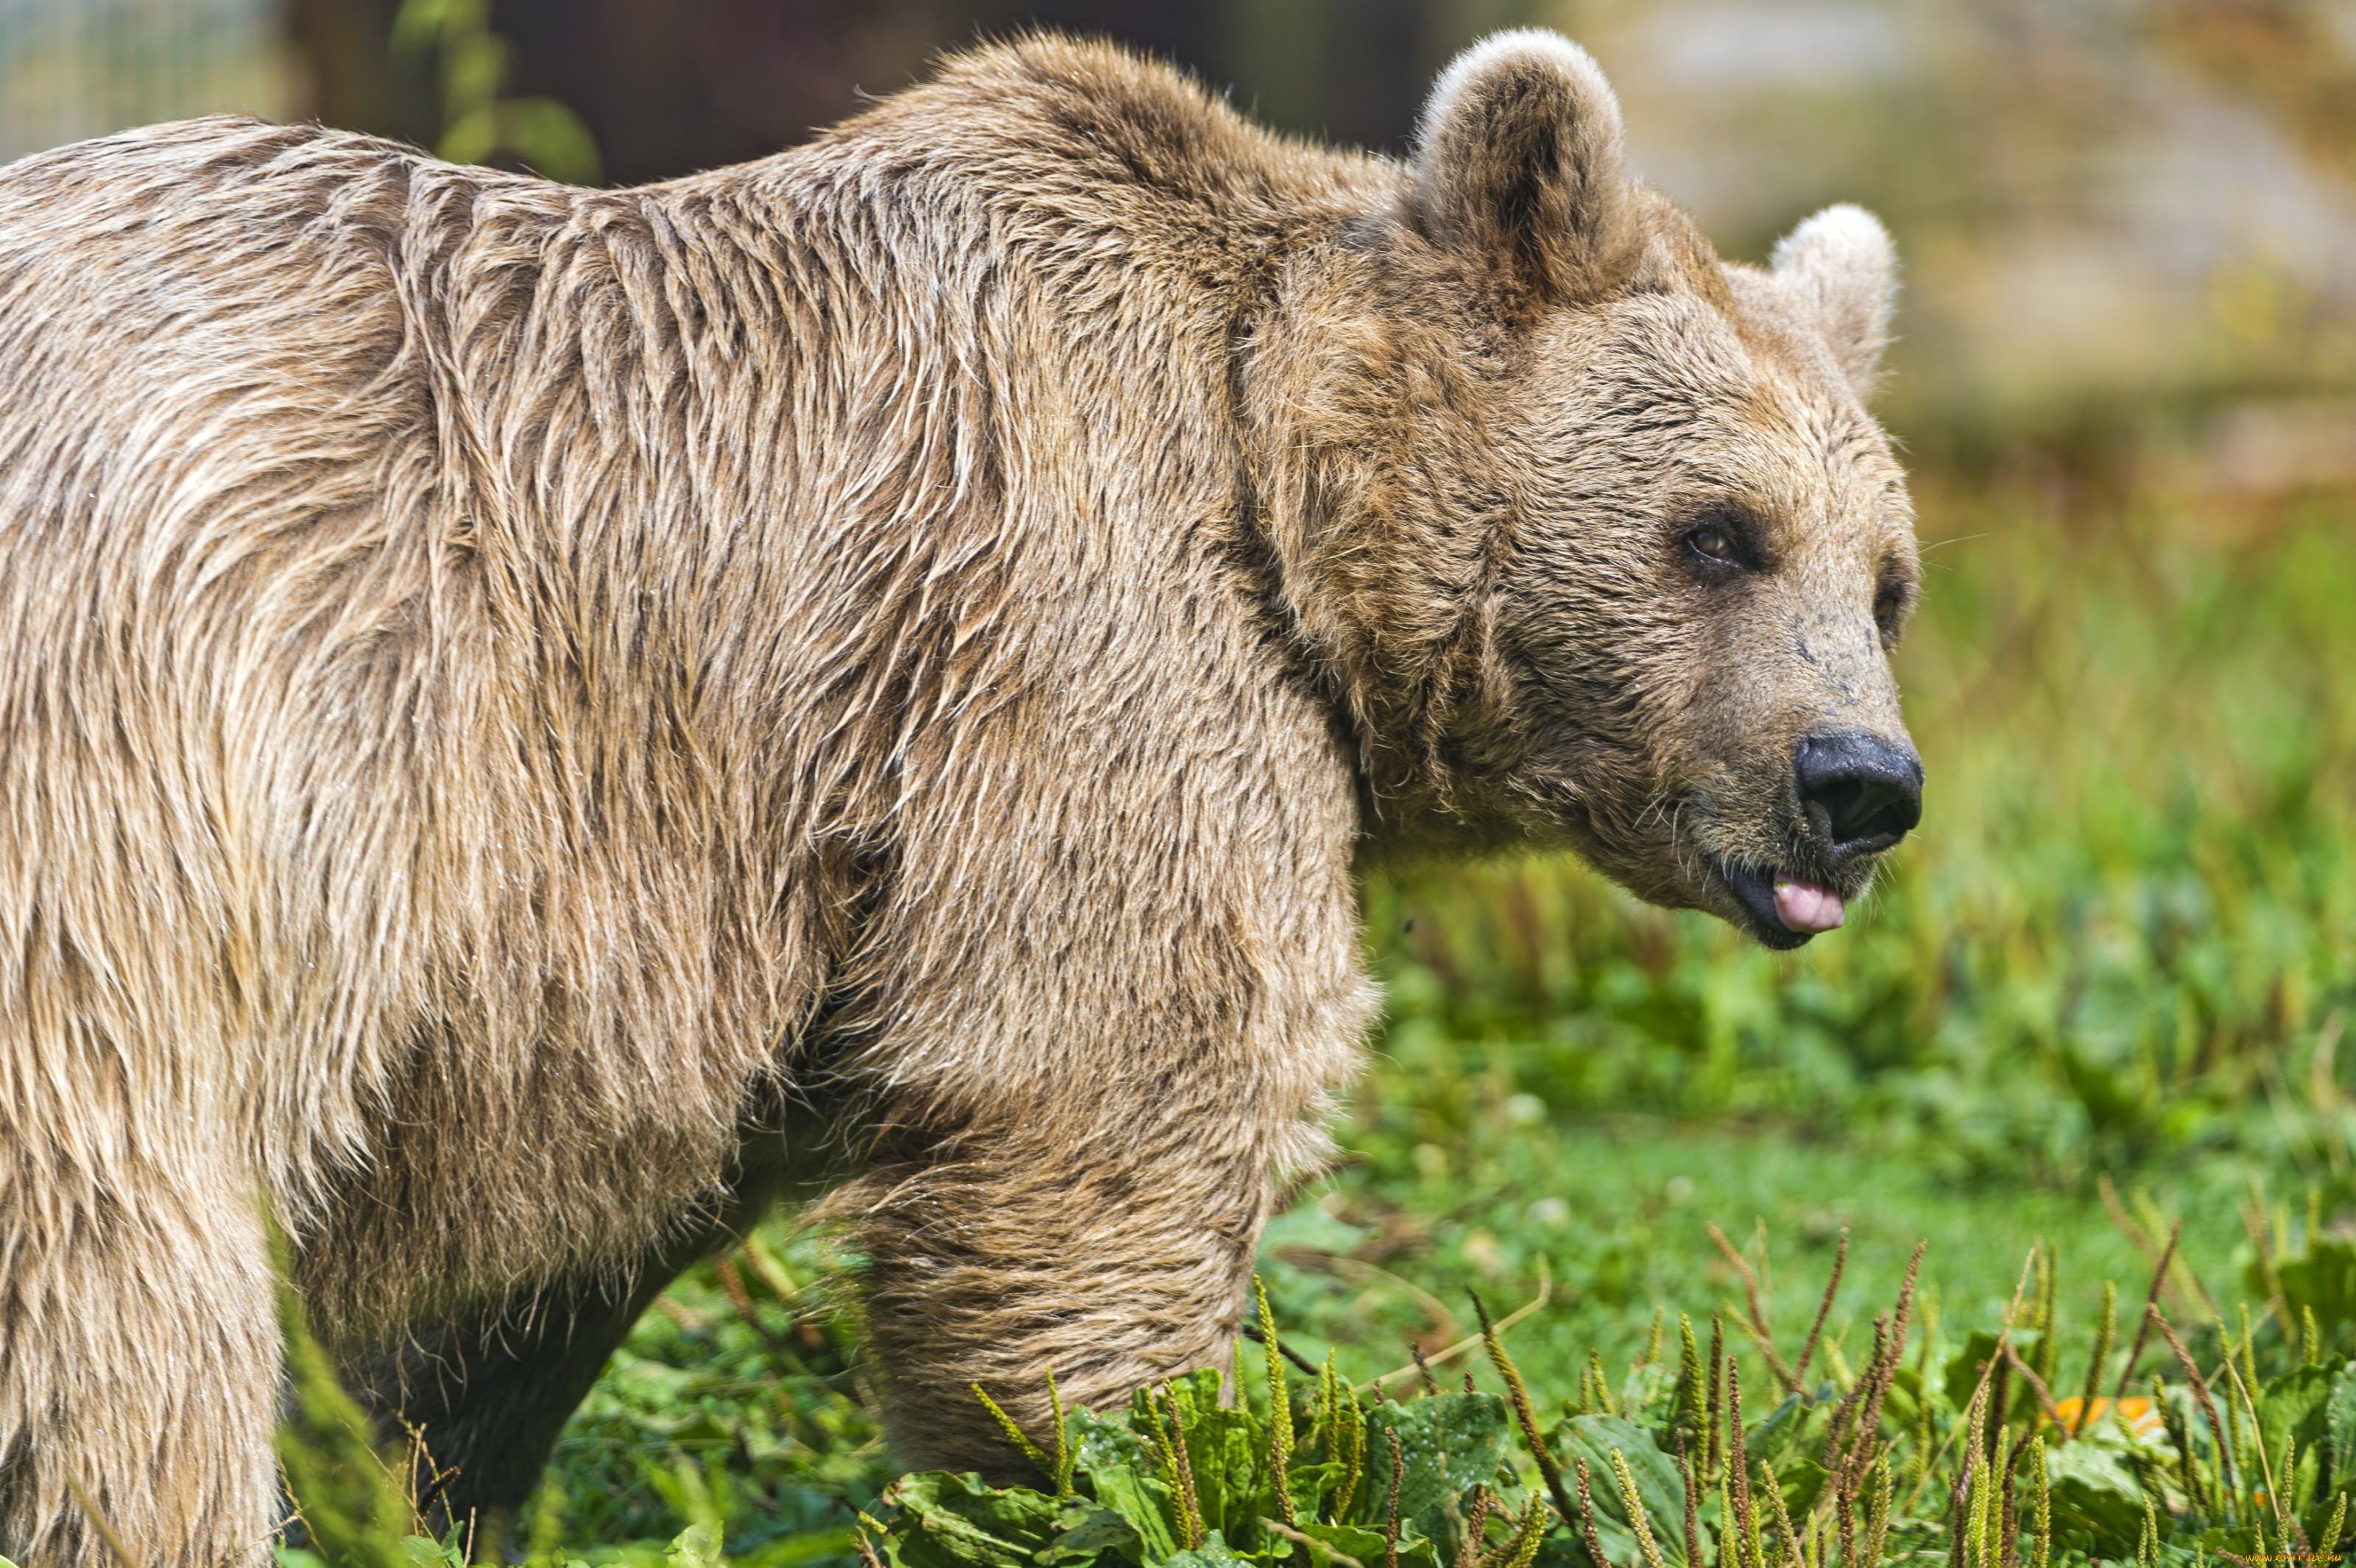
{"x":1804,"y":906}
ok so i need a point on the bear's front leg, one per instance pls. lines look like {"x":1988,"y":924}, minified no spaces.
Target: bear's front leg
{"x":139,"y":1366}
{"x":1097,"y":1017}
{"x":1107,"y":1239}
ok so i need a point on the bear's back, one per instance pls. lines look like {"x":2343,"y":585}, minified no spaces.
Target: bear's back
{"x":333,"y":474}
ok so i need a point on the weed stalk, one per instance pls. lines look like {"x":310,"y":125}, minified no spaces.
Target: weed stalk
{"x":1520,"y":1394}
{"x":1048,"y":1466}
{"x":1391,"y":1517}
{"x":1643,"y":1525}
{"x":1738,"y":1469}
{"x":1469,"y":1549}
{"x":1824,"y":1309}
{"x":1586,"y":1519}
{"x":2041,"y":1544}
{"x":2106,"y":1327}
{"x":1280,"y":1411}
{"x":1713,"y":1454}
{"x":1761,"y":1334}
{"x":2199,"y":1385}
{"x":2150,"y":1306}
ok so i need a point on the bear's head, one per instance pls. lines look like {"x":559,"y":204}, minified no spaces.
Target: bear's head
{"x":1594,"y":532}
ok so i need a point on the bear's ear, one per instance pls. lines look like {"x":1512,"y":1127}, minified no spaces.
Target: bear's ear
{"x":1518,"y":162}
{"x":1842,"y":271}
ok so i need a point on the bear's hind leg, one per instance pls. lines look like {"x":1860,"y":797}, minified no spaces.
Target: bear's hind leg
{"x":490,"y":1390}
{"x":139,"y":1362}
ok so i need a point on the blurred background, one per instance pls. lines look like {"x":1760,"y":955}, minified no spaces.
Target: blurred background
{"x":2105,"y":987}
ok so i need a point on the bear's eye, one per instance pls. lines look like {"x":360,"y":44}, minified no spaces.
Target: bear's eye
{"x":1888,"y":606}
{"x":1715,"y":541}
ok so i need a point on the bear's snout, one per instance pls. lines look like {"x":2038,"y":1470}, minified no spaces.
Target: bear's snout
{"x":1860,"y":793}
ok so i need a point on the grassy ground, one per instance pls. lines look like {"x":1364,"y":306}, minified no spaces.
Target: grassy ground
{"x":2101,"y":990}
{"x":1607,"y":1219}
{"x":2123,"y":942}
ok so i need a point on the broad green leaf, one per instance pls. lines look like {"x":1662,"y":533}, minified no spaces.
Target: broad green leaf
{"x":2095,"y":1499}
{"x":2323,"y":1282}
{"x":1348,"y":1543}
{"x":1797,"y":1416}
{"x":2295,"y":1407}
{"x":1962,"y":1377}
{"x":1903,"y":1404}
{"x":697,"y":1546}
{"x":1088,"y":1530}
{"x":1659,"y":1487}
{"x":1311,"y":1483}
{"x":1226,"y":1449}
{"x":949,"y":1520}
{"x":1449,"y":1443}
{"x":1207,"y":1556}
{"x":1802,"y":1482}
{"x":1093,"y":1528}
{"x":1645,"y":1387}
{"x":2340,"y":1421}
{"x":792,"y":1550}
{"x":1229,"y":1453}
{"x":1114,"y":1465}
{"x":1106,"y":1441}
{"x":1213,"y":1554}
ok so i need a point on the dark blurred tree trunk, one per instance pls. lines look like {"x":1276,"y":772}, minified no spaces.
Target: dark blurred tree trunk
{"x":1353,"y":72}
{"x":669,"y":86}
{"x":350,"y":76}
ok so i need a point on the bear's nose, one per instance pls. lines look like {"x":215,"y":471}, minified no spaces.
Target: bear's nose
{"x":1860,"y":793}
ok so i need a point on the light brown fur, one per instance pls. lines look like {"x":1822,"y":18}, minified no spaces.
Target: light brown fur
{"x":526,"y":710}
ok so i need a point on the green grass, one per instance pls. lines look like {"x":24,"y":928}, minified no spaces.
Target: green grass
{"x":1619,"y":1211}
{"x":1992,"y":1443}
{"x":699,"y":1420}
{"x":738,"y":1405}
{"x":712,"y":1443}
{"x":2121,"y":950}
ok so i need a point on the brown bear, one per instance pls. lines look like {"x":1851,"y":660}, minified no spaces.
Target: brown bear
{"x":534,"y":721}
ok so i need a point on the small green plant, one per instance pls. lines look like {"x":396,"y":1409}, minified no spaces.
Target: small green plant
{"x":2243,"y":1450}
{"x":1183,"y":1477}
{"x":479,"y":122}
{"x":353,"y":1504}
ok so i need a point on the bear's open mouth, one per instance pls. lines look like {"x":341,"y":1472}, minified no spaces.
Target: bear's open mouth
{"x":1754,"y":890}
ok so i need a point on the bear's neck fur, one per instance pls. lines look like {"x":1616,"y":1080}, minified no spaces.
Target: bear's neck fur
{"x":1356,"y":417}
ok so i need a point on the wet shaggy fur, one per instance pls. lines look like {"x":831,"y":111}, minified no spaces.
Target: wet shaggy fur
{"x":533,"y":719}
